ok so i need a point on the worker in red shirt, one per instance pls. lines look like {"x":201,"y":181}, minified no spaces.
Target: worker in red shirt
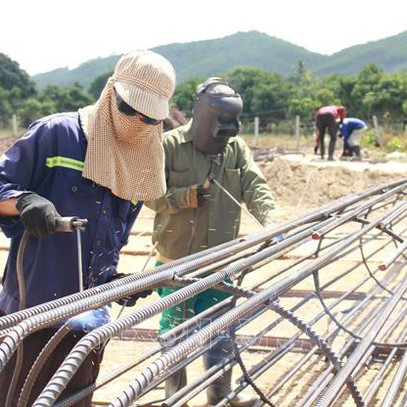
{"x":328,"y":117}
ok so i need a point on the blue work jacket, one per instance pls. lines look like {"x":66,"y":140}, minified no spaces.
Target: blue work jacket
{"x":49,"y":160}
{"x":351,"y":124}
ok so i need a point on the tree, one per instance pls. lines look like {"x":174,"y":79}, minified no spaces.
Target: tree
{"x":304,"y":107}
{"x":32,"y":109}
{"x":96,"y":87}
{"x":184,"y":94}
{"x":66,"y":99}
{"x":264,"y":93}
{"x":325,"y":97}
{"x":11,"y":76}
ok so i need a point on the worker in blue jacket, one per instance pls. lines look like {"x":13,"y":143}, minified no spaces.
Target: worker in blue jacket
{"x":99,"y":163}
{"x":352,"y":130}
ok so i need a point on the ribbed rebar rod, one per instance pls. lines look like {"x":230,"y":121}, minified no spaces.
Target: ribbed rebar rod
{"x":385,"y":332}
{"x":341,"y":377}
{"x":396,"y":383}
{"x":322,"y":381}
{"x":375,"y":384}
{"x":20,"y":331}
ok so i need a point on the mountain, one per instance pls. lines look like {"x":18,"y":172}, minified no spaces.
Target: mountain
{"x":200,"y":59}
{"x":85,"y":73}
{"x":389,"y":53}
{"x":214,"y":57}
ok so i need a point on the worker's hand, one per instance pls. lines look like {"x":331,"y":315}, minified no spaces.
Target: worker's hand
{"x":37,"y":214}
{"x":199,"y":195}
{"x":130,"y":300}
{"x":203,"y":195}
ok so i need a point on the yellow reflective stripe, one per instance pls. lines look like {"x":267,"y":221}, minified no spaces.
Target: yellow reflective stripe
{"x":64,"y":162}
{"x":134,"y":202}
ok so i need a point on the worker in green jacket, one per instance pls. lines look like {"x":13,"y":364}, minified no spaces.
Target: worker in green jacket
{"x":196,"y":214}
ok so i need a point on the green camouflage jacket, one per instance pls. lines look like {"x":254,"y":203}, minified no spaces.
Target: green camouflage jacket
{"x":181,"y":229}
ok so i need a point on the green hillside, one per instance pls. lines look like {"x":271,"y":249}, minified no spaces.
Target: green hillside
{"x":201,"y":59}
{"x":389,"y":53}
{"x":215,"y":57}
{"x":84,"y":74}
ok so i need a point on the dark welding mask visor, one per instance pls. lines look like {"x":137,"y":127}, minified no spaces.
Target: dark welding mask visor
{"x":226,"y":128}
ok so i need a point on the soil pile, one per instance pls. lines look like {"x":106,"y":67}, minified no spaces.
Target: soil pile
{"x":305,"y":186}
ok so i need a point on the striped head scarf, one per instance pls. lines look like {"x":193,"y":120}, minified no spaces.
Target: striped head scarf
{"x":124,"y":153}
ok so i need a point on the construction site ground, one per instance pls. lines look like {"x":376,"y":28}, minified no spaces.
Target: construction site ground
{"x":299,"y":182}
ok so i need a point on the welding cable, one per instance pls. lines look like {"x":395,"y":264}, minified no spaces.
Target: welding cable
{"x":39,"y":362}
{"x":22,"y":300}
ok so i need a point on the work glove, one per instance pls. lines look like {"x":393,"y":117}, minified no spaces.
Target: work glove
{"x":130,"y":300}
{"x":37,"y":214}
{"x":199,"y":195}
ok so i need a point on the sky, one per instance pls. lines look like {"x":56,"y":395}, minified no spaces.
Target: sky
{"x":42,"y":35}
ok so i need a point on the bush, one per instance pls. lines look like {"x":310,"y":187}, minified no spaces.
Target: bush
{"x":395,"y":144}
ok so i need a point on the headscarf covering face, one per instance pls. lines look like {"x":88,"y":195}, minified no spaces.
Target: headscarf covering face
{"x":124,"y":153}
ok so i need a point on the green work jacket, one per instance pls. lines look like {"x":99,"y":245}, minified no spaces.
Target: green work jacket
{"x":179,"y":228}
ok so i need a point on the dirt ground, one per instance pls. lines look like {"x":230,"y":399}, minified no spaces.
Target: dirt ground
{"x":299,"y":182}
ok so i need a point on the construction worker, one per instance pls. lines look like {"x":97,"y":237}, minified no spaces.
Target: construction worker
{"x":328,"y":117}
{"x":196,"y":214}
{"x":352,"y":130}
{"x":99,"y":163}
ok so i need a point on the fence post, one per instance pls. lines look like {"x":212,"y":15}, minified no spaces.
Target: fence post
{"x":377,"y":129}
{"x":14,"y":124}
{"x":297,"y":131}
{"x":256,"y":130}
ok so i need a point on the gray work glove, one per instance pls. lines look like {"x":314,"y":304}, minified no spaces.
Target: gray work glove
{"x":37,"y":214}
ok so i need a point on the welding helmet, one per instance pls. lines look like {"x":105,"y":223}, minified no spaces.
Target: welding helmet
{"x":217,"y":109}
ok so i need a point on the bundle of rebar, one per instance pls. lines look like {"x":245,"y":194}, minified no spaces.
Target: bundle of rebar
{"x":323,"y":309}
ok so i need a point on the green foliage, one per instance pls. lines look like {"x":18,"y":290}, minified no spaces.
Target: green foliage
{"x":304,"y":107}
{"x":264,"y":94}
{"x":11,"y":76}
{"x":96,"y":87}
{"x":184,"y":95}
{"x":389,"y":53}
{"x":32,"y":109}
{"x":395,"y":144}
{"x":369,"y":139}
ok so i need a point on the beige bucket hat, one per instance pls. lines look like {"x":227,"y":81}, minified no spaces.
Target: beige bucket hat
{"x":125,"y":154}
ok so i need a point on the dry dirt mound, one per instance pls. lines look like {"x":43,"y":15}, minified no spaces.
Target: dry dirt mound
{"x":302,"y":185}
